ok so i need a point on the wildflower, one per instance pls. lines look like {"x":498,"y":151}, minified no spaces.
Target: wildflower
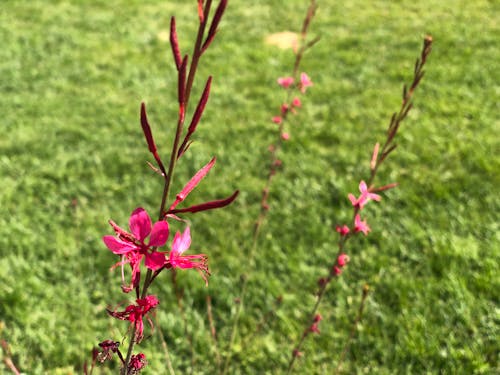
{"x":305,"y":82}
{"x":136,"y":313}
{"x":285,"y":82}
{"x":343,"y":230}
{"x":179,"y":245}
{"x":137,"y":363}
{"x":285,"y":136}
{"x":284,"y":108}
{"x":277,"y":120}
{"x":361,"y":226}
{"x":364,"y":197}
{"x":133,"y":246}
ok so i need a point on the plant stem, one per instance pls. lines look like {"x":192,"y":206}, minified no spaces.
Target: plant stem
{"x":272,"y":171}
{"x":173,"y":157}
{"x":386,"y":149}
{"x":364,"y":295}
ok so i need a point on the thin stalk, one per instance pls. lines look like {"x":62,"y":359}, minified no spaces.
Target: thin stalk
{"x":165,"y":348}
{"x":197,"y":51}
{"x":213,"y":332}
{"x":391,"y":133}
{"x":354,"y":327}
{"x":173,"y":158}
{"x":272,"y":171}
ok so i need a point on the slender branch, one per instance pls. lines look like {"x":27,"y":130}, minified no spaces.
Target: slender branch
{"x":213,"y":332}
{"x":184,"y":92}
{"x":354,"y":327}
{"x":165,"y":348}
{"x":264,"y":207}
{"x":396,"y":120}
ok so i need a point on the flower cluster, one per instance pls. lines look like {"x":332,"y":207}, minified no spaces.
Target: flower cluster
{"x":288,"y":83}
{"x":136,"y":313}
{"x":133,"y":247}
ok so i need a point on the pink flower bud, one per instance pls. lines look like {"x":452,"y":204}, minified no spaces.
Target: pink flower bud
{"x":285,"y":136}
{"x":336,"y":270}
{"x":342,"y":260}
{"x":277,"y":120}
{"x":296,"y":102}
{"x":343,"y":230}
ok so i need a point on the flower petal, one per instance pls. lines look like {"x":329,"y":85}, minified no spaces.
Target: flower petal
{"x":118,"y":246}
{"x":362,"y":187}
{"x":140,"y":224}
{"x":185,"y":240}
{"x":181,"y":243}
{"x":155,"y":260}
{"x":353,"y":199}
{"x":159,"y":234}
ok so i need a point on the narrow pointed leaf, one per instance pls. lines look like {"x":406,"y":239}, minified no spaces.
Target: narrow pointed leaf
{"x":215,"y":23}
{"x":147,"y":129}
{"x":207,"y":205}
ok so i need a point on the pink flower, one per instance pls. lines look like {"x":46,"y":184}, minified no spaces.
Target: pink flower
{"x":277,"y":120}
{"x":343,"y":230}
{"x":136,"y":313}
{"x":361,"y":226}
{"x":342,"y":260}
{"x":305,"y":82}
{"x":179,"y":245}
{"x":296,"y":102}
{"x":133,"y":246}
{"x":364,"y":197}
{"x":284,"y":108}
{"x":285,"y":82}
{"x":285,"y":136}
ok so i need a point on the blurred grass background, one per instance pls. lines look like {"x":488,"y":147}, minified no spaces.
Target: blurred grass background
{"x":72,"y":155}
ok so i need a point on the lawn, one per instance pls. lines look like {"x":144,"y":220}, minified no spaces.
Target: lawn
{"x":72,"y":156}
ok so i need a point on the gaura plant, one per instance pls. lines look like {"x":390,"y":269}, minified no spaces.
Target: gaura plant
{"x":145,"y":247}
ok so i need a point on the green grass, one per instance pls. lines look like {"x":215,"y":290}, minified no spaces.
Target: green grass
{"x":72,"y":76}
